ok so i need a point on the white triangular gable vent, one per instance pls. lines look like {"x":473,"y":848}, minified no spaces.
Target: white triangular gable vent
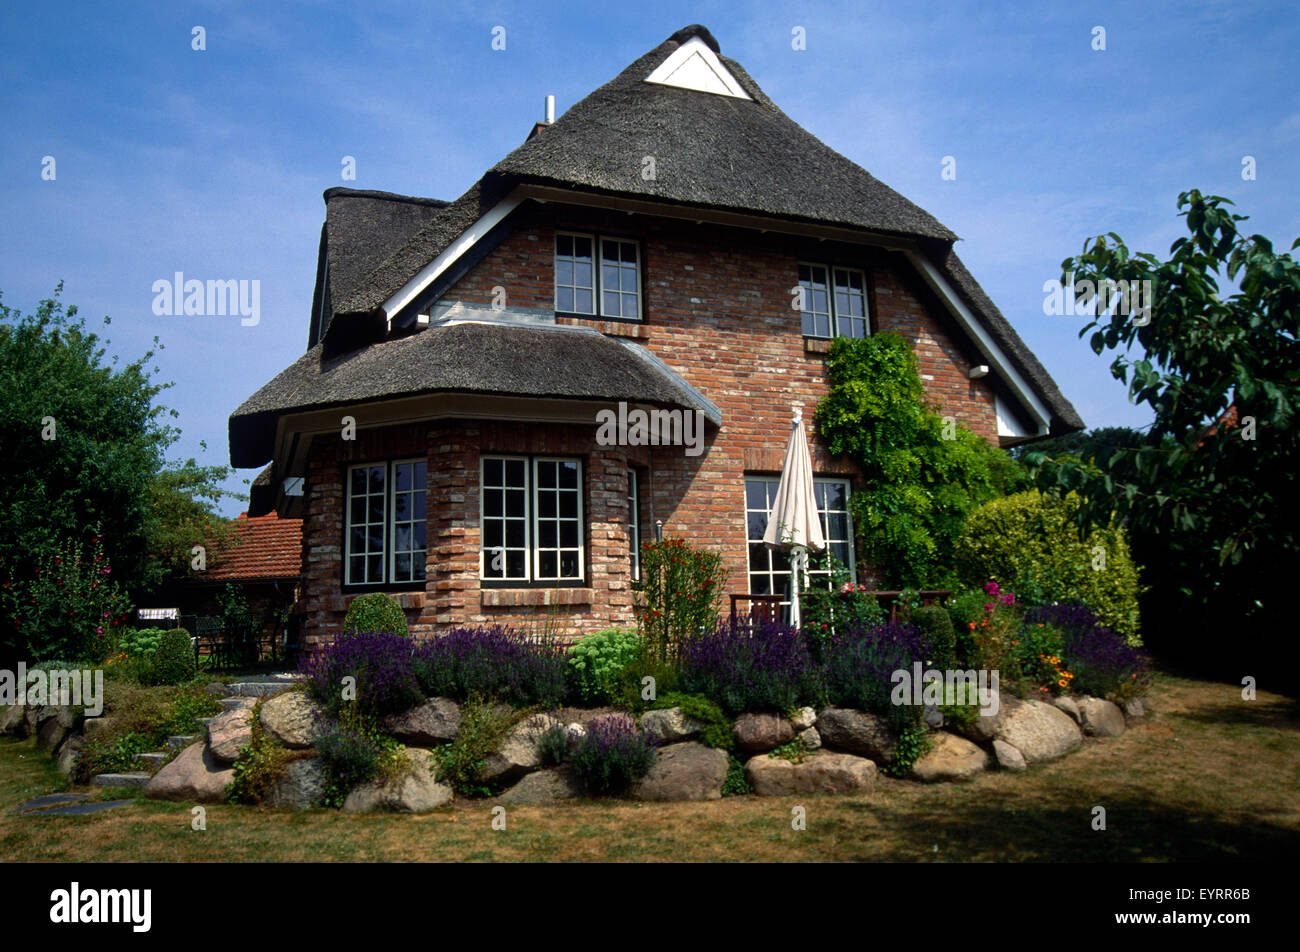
{"x":694,"y":65}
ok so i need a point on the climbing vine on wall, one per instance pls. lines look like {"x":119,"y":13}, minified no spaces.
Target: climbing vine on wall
{"x":923,"y":474}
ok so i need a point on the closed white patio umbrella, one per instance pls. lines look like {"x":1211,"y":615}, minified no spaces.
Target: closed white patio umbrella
{"x":793,"y":522}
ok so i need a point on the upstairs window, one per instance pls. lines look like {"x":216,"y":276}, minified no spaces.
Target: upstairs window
{"x":834,"y":301}
{"x":608,"y":287}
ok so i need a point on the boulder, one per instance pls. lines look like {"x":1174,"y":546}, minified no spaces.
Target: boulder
{"x":1068,"y":705}
{"x":435,"y":721}
{"x":1008,"y":757}
{"x":1100,"y":718}
{"x":230,"y":732}
{"x":823,"y":772}
{"x":762,"y":732}
{"x":950,"y":758}
{"x":857,"y":732}
{"x":11,"y":718}
{"x":518,"y":752}
{"x":575,"y":731}
{"x":69,"y":753}
{"x":985,"y":727}
{"x":301,"y":787}
{"x":415,"y":791}
{"x":1135,"y":710}
{"x":217,"y":689}
{"x":811,"y":739}
{"x":544,"y":786}
{"x":193,"y":775}
{"x":95,"y":726}
{"x":1039,"y":731}
{"x":53,"y":724}
{"x":293,"y":718}
{"x":670,"y":725}
{"x":803,"y":718}
{"x":686,"y":771}
{"x":932,"y":716}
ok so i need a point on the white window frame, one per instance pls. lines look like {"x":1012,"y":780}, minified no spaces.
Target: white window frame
{"x":388,"y":524}
{"x":558,"y":549}
{"x":774,"y":574}
{"x":528,"y":519}
{"x":636,"y":291}
{"x":633,"y":522}
{"x":833,"y":314}
{"x":531,"y":549}
{"x":597,"y":291}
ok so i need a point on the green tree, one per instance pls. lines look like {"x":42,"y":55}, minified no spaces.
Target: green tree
{"x":922,"y":474}
{"x":1210,"y":493}
{"x":84,"y":459}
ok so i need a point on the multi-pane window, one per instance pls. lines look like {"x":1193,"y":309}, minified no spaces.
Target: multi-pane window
{"x":833,"y":302}
{"x":385,"y":531}
{"x":608,"y":288}
{"x":769,"y":569}
{"x":531,"y":519}
{"x":633,"y":524}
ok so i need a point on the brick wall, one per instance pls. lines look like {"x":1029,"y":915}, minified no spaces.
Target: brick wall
{"x":717,"y":307}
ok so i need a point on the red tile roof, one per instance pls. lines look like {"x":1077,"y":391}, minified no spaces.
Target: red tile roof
{"x":269,"y":547}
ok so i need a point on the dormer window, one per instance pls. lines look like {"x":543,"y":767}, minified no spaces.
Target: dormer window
{"x":834,"y":301}
{"x":610,"y":287}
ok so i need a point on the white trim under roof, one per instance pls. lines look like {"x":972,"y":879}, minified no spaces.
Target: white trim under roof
{"x":694,"y":65}
{"x":973,"y":326}
{"x":1008,"y":425}
{"x":468,"y":239}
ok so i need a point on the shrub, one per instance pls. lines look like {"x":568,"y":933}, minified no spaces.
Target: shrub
{"x":1029,"y":542}
{"x":913,"y":743}
{"x":553,"y":745}
{"x":496,"y":662}
{"x":483,"y":726}
{"x":140,"y":642}
{"x":934,"y":625}
{"x":744,"y":668}
{"x":680,"y":587}
{"x":646,"y":672}
{"x":859,"y":669}
{"x":1102,"y":663}
{"x":598,"y":661}
{"x":612,"y":754}
{"x":172,"y":661}
{"x":141,"y":720}
{"x":383,"y":668}
{"x":376,"y":612}
{"x":736,"y":785}
{"x":353,"y":753}
{"x":715,"y":730}
{"x":835,"y":602}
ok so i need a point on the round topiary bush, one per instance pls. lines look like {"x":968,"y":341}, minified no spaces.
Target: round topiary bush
{"x":173,"y":659}
{"x":376,"y":612}
{"x":1028,"y":543}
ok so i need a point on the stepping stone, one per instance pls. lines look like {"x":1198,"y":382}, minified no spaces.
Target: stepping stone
{"x":48,"y":800}
{"x":81,"y":809}
{"x":152,"y":759}
{"x":136,"y":779}
{"x":204,"y":721}
{"x":232,"y":703}
{"x":179,"y":741}
{"x":259,"y":688}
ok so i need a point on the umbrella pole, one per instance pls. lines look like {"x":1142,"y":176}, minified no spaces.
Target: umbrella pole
{"x":796,"y":567}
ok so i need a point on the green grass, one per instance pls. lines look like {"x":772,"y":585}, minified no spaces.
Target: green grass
{"x":1211,"y":778}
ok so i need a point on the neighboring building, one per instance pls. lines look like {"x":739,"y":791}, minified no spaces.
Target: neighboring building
{"x":440,"y":435}
{"x":264,"y":558}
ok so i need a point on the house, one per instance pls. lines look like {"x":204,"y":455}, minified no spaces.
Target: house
{"x":263,"y":558}
{"x":644,"y":251}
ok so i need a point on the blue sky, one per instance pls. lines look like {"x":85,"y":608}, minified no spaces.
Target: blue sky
{"x":213,"y":163}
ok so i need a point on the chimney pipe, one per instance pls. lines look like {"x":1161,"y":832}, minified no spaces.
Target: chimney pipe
{"x":550,"y":109}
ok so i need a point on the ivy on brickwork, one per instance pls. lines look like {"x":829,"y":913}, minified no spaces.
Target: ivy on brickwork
{"x":923,"y":473}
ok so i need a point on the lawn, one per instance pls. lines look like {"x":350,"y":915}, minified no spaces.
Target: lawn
{"x":1210,"y":778}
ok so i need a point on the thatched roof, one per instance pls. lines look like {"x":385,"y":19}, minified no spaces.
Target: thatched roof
{"x":541,"y":361}
{"x":727,"y":153}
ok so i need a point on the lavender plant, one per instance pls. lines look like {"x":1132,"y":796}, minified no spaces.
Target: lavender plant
{"x":494,"y":661}
{"x":612,"y":754}
{"x":744,"y":666}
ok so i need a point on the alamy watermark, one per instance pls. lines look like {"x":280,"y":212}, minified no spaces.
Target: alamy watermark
{"x":638,"y":427}
{"x":57,"y":686}
{"x":1098,"y":298}
{"x":932,"y":687}
{"x":213,"y":298}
